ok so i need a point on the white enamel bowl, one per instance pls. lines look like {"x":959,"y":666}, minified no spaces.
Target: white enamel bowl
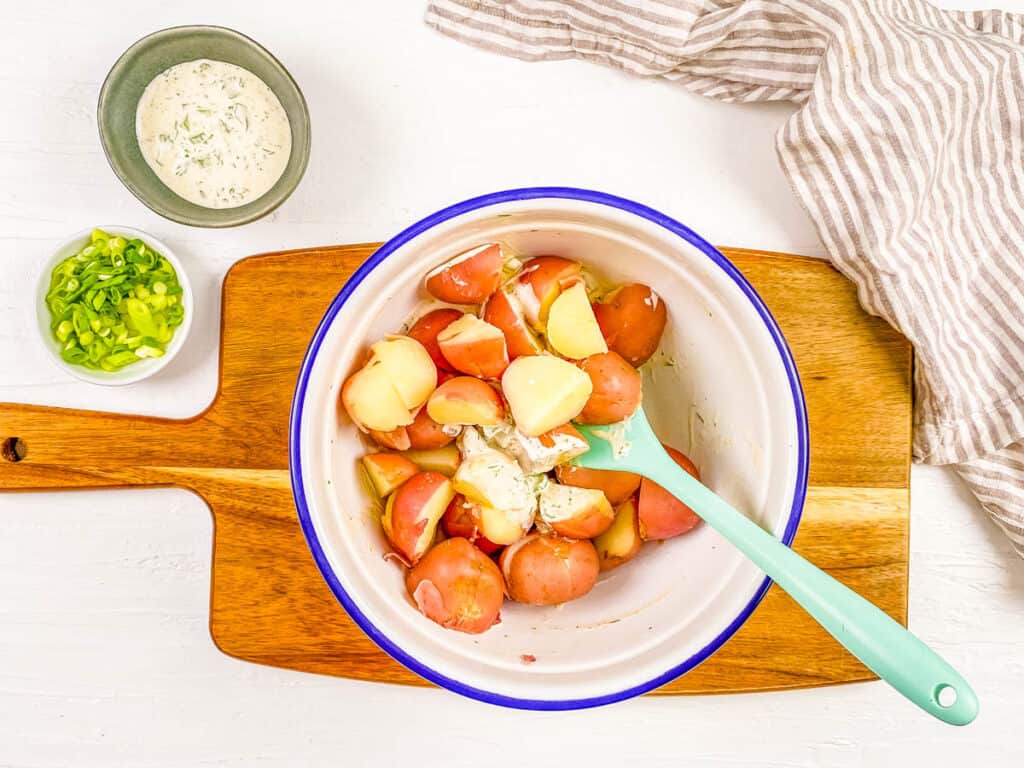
{"x":732,"y":401}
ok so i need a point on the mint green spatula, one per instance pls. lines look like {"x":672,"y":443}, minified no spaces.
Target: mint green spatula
{"x":883,"y":645}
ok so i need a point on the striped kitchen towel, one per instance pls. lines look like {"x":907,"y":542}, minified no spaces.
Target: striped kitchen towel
{"x":907,"y":153}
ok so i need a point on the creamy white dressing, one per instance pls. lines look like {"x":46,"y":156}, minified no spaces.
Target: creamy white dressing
{"x":615,"y":436}
{"x":495,"y":477}
{"x":533,"y":456}
{"x":213,"y":132}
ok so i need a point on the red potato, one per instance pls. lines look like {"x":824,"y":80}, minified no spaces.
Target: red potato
{"x":662,"y":515}
{"x":549,"y":570}
{"x":425,"y":331}
{"x":616,"y":486}
{"x":466,"y":401}
{"x":462,"y":518}
{"x":457,"y":586}
{"x":540,"y":282}
{"x":544,"y":392}
{"x":387,"y":391}
{"x":474,"y":347}
{"x":616,"y":389}
{"x":577,"y":513}
{"x":504,"y":312}
{"x":398,"y":439}
{"x":470,"y":277}
{"x":424,"y":433}
{"x":620,"y":543}
{"x":444,"y":460}
{"x":387,"y":471}
{"x":632,"y":320}
{"x":413,"y":511}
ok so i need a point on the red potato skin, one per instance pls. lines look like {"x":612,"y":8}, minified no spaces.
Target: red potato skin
{"x":470,"y":389}
{"x":484,"y":358}
{"x":594,"y":523}
{"x":632,"y":320}
{"x":616,"y":389}
{"x":403,"y":521}
{"x":424,"y":433}
{"x":662,"y":515}
{"x":390,"y":471}
{"x":469,"y":281}
{"x":425,"y":331}
{"x":549,"y":570}
{"x":617,"y":486}
{"x":396,"y":439}
{"x":457,"y":586}
{"x":519,"y":339}
{"x":547,"y":276}
{"x":459,"y":520}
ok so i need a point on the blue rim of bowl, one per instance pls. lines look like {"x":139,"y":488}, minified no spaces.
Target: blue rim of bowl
{"x":295,"y":458}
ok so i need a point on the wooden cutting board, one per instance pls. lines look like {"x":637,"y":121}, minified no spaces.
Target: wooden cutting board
{"x":269,"y":603}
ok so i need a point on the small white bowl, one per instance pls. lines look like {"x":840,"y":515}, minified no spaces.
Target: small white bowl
{"x":130,"y":373}
{"x":732,"y":401}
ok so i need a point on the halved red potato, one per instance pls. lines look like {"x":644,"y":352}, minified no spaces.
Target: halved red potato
{"x":549,"y":570}
{"x":424,"y":433}
{"x":457,"y":586}
{"x":465,"y":400}
{"x":413,"y":511}
{"x":540,"y":282}
{"x":544,"y":392}
{"x":475,"y":347}
{"x":616,"y":486}
{"x":396,"y":380}
{"x":504,"y":311}
{"x":444,"y":460}
{"x":372,"y":403}
{"x":462,"y":518}
{"x":632,"y":320}
{"x":572,"y":330}
{"x":387,"y":471}
{"x":622,"y":540}
{"x":661,"y":514}
{"x":578,"y":513}
{"x":398,"y":439}
{"x":616,"y":391}
{"x":470,"y":277}
{"x":425,"y":331}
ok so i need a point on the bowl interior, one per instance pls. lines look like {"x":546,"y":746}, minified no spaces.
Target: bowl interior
{"x":721,"y":394}
{"x":136,"y":371}
{"x":152,"y":55}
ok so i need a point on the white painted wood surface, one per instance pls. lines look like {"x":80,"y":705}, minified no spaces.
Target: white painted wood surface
{"x":105,"y":659}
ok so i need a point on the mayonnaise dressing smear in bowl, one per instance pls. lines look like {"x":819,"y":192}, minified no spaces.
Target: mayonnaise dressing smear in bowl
{"x":213,"y":132}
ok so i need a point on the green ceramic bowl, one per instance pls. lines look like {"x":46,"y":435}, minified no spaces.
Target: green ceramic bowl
{"x":150,"y":56}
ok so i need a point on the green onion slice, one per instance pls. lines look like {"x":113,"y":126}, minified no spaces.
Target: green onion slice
{"x":114,"y":303}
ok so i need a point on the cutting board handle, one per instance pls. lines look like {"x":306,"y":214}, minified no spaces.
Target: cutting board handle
{"x":43,"y":448}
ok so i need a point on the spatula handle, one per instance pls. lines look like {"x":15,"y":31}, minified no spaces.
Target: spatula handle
{"x":882,"y":644}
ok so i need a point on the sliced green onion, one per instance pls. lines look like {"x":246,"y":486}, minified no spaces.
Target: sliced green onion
{"x":114,"y":303}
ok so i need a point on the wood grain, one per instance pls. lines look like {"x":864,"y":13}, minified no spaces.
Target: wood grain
{"x":268,"y":601}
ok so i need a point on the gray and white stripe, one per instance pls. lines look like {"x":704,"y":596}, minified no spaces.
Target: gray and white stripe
{"x":907,"y":155}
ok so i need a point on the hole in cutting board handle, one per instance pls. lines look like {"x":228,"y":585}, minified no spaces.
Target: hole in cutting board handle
{"x":13,"y":449}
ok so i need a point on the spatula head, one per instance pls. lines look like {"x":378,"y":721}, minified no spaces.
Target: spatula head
{"x":628,"y":446}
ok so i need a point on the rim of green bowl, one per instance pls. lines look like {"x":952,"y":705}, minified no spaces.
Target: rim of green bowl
{"x":273,"y":201}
